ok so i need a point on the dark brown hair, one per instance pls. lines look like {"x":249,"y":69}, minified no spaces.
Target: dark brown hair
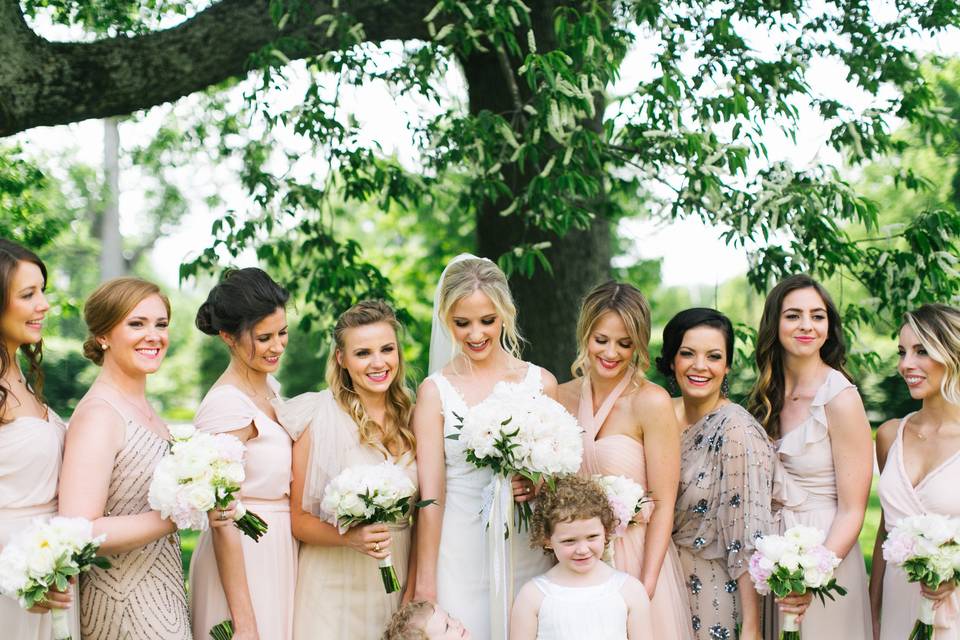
{"x":766,"y":398}
{"x":11,"y":255}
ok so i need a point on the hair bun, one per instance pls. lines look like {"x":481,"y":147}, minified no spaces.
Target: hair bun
{"x":92,"y":351}
{"x":205,"y":321}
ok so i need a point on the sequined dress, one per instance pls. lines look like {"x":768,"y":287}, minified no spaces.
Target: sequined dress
{"x":726,"y":480}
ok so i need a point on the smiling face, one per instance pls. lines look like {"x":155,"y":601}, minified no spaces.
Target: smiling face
{"x":371,"y":356}
{"x":578,"y":544}
{"x":261,"y":347}
{"x":22,"y":320}
{"x":804,"y":325}
{"x":701,"y":362}
{"x":923,"y":374}
{"x":476,"y":325}
{"x":610,"y":348}
{"x":442,"y":626}
{"x":139,"y":342}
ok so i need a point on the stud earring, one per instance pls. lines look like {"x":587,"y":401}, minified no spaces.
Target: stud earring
{"x":103,"y":346}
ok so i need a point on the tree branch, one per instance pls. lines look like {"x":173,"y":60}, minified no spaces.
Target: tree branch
{"x":49,"y":83}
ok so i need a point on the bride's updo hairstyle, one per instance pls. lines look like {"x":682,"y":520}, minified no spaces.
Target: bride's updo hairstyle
{"x":938,"y":329}
{"x":628,"y":303}
{"x":476,"y":274}
{"x":241,"y":299}
{"x":108,"y":305}
{"x":395,"y":435}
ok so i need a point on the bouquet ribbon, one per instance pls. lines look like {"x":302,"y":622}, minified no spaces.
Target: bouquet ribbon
{"x":497,"y":516}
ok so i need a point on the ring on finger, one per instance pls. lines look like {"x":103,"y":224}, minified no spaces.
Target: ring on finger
{"x":376,"y":546}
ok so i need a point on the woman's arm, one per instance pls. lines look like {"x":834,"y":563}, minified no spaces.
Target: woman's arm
{"x":852,"y":449}
{"x":749,"y":608}
{"x":95,"y":436}
{"x":886,"y":434}
{"x":372,"y":540}
{"x":639,"y":622}
{"x":431,"y":473}
{"x":661,"y":446}
{"x":523,"y":615}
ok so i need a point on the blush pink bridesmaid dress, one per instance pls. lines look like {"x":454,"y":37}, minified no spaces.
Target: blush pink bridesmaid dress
{"x":622,"y":455}
{"x":271,"y":563}
{"x":935,"y":493}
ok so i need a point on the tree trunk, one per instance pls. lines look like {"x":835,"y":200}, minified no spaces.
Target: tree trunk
{"x":111,"y":242}
{"x":548,"y":304}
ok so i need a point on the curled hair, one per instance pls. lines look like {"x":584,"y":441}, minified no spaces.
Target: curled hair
{"x":109,"y":304}
{"x":241,"y":299}
{"x":476,"y":274}
{"x":395,"y":434}
{"x":684,"y":321}
{"x":573,"y":498}
{"x":408,"y":621}
{"x":766,"y":398}
{"x":11,"y":255}
{"x":629,"y":304}
{"x":938,"y":328}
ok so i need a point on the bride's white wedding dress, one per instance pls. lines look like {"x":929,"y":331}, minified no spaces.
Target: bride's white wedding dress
{"x":463,"y":567}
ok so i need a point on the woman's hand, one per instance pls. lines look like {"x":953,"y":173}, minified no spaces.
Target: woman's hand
{"x":523,"y":489}
{"x":53,"y":600}
{"x":795,"y":603}
{"x":938,"y":595}
{"x":222,"y":517}
{"x":372,"y":540}
{"x":246,"y":634}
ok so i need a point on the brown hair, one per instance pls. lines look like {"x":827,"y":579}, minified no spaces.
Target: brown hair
{"x":938,"y":329}
{"x":766,"y":398}
{"x":396,"y":432}
{"x":407,"y":623}
{"x":11,"y":255}
{"x":109,"y":305}
{"x":572,"y":498}
{"x":626,"y":301}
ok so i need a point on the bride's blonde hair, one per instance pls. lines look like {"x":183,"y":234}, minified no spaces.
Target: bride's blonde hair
{"x":476,"y":274}
{"x":395,"y":435}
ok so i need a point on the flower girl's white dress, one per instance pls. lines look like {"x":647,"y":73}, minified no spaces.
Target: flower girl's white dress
{"x":597,"y":612}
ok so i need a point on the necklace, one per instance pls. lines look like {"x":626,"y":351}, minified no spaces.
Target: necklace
{"x":147,"y":413}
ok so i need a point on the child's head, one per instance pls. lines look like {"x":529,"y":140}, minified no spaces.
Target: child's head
{"x":574,"y":521}
{"x":422,"y":620}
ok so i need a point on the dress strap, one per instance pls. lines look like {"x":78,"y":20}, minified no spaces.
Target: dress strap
{"x":533,"y":379}
{"x":123,"y":415}
{"x":543,"y":584}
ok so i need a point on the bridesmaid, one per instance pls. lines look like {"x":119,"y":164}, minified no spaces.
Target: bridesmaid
{"x":727,"y":464}
{"x":808,"y":406}
{"x":231,"y":575}
{"x":361,"y":419}
{"x":31,"y":434}
{"x":919,"y":457}
{"x":474,"y":351}
{"x":630,"y":429}
{"x":113,"y":445}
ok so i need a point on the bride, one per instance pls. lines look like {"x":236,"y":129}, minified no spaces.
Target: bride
{"x":474,"y":351}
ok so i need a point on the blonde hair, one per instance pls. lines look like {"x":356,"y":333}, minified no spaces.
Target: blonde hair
{"x":408,"y":621}
{"x":109,"y":304}
{"x":396,"y":434}
{"x":629,"y":304}
{"x":938,"y":328}
{"x":572,"y":498}
{"x":476,"y":274}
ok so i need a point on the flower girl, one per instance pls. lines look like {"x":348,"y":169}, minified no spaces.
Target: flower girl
{"x":581,"y":598}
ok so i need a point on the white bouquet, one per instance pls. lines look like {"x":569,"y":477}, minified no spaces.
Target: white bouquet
{"x":202,"y":472}
{"x":368,"y":494}
{"x":534,"y":437}
{"x":47,"y":555}
{"x":927,"y":548}
{"x":795,"y":562}
{"x":627,"y":498}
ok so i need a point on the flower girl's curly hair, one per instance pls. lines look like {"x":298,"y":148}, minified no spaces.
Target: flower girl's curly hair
{"x":408,"y":622}
{"x":573,"y":498}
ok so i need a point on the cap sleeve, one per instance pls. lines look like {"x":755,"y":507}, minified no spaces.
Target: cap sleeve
{"x":295,"y":414}
{"x":225,"y":409}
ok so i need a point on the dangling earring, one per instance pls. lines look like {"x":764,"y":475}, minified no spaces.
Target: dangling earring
{"x":725,"y":387}
{"x":672,"y":386}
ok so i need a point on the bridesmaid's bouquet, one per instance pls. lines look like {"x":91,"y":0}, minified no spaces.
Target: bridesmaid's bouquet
{"x":627,"y":498}
{"x":927,"y":548}
{"x":202,"y":472}
{"x":45,"y":555}
{"x":222,"y":631}
{"x":370,"y":494}
{"x":796,"y":562}
{"x":534,"y":437}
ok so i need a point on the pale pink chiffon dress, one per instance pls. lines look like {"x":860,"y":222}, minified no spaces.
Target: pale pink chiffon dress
{"x":271,"y":563}
{"x":31,"y":450}
{"x":622,"y":455}
{"x":935,"y":493}
{"x":808,"y":464}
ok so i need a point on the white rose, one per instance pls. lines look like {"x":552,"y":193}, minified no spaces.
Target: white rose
{"x":200,"y":497}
